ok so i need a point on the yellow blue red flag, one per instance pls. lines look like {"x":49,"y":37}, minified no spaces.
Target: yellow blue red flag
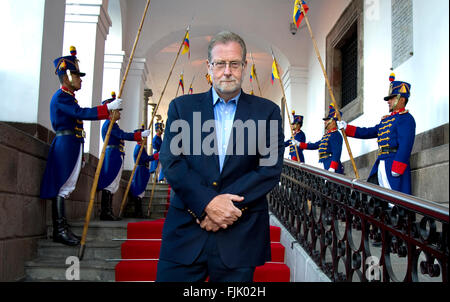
{"x":186,"y":45}
{"x":274,"y":72}
{"x":252,"y":73}
{"x":181,"y":83}
{"x":298,"y":14}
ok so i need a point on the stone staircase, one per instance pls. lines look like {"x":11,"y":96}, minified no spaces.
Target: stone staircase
{"x":159,"y":202}
{"x":103,"y":245}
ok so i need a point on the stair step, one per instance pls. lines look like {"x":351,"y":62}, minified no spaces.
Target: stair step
{"x":145,"y":229}
{"x":272,"y":272}
{"x":141,"y":249}
{"x":94,"y":250}
{"x":144,"y":270}
{"x":54,"y":269}
{"x":275,"y":234}
{"x":277,"y":250}
{"x":100,"y":230}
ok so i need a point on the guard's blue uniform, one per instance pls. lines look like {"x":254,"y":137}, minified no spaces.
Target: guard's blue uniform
{"x":67,"y":118}
{"x":114,"y":153}
{"x":142,"y":173}
{"x":395,"y":133}
{"x":301,"y":137}
{"x":156,"y":145}
{"x":330,"y":149}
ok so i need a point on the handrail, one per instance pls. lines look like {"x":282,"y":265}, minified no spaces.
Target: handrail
{"x":356,"y":230}
{"x":411,"y":202}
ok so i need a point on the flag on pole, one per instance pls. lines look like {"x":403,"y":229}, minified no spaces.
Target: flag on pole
{"x":181,"y":82}
{"x":252,"y":73}
{"x":186,"y":45}
{"x":274,"y":71}
{"x":298,"y":14}
{"x":208,"y":78}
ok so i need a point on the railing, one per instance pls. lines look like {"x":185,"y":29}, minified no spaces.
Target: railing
{"x":357,"y":231}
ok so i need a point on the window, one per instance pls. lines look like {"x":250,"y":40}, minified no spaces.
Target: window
{"x":349,"y":70}
{"x":345,"y":57}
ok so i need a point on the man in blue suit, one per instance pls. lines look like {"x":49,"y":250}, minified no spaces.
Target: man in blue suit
{"x":395,"y":136}
{"x":65,"y":155}
{"x":112,"y":167}
{"x":218,"y":222}
{"x":330,"y":146}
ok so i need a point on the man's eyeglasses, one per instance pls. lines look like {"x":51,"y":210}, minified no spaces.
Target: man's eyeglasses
{"x":234,"y":65}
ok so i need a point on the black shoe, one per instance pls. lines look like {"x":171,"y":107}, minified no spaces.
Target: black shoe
{"x":70,"y":231}
{"x":138,"y":207}
{"x":61,"y":231}
{"x":106,"y":207}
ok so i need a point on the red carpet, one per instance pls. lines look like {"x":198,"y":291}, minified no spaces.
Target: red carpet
{"x":140,"y":256}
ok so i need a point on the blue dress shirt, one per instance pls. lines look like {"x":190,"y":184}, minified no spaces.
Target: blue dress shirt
{"x":224,"y":118}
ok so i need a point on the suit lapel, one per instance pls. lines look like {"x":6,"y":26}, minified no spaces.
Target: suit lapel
{"x":207,"y":111}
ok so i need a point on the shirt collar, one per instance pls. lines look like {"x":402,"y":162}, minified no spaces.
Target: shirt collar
{"x":398,"y":111}
{"x":216,"y":98}
{"x":66,"y":90}
{"x":331,"y":130}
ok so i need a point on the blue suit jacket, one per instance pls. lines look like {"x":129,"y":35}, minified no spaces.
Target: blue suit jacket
{"x":196,"y":180}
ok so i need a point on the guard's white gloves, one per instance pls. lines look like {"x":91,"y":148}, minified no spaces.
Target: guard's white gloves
{"x":296,"y":142}
{"x":146,"y":133}
{"x":331,"y":170}
{"x":115,"y":105}
{"x":395,"y":174}
{"x":341,"y":125}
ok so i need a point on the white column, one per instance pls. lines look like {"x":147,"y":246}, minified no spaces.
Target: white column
{"x":87,"y":26}
{"x":133,"y":100}
{"x":111,"y":81}
{"x":32,"y":34}
{"x":295,"y":81}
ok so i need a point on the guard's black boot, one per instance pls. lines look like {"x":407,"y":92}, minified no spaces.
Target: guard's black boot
{"x":138,"y":207}
{"x":106,"y":207}
{"x":70,"y":231}
{"x":61,"y":230}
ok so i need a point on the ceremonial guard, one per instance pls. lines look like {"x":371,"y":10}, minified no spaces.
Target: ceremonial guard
{"x":111,"y":171}
{"x":395,"y":134}
{"x":64,"y":161}
{"x":141,"y":177}
{"x":330,"y":146}
{"x":156,"y":145}
{"x":299,"y":136}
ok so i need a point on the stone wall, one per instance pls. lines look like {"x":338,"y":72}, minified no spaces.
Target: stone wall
{"x":429,"y":165}
{"x":23,"y":215}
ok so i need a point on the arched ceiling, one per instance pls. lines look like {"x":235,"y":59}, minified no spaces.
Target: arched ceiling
{"x":264,"y":25}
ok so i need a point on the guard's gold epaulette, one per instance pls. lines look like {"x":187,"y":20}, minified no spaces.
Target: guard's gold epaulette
{"x":404,"y":112}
